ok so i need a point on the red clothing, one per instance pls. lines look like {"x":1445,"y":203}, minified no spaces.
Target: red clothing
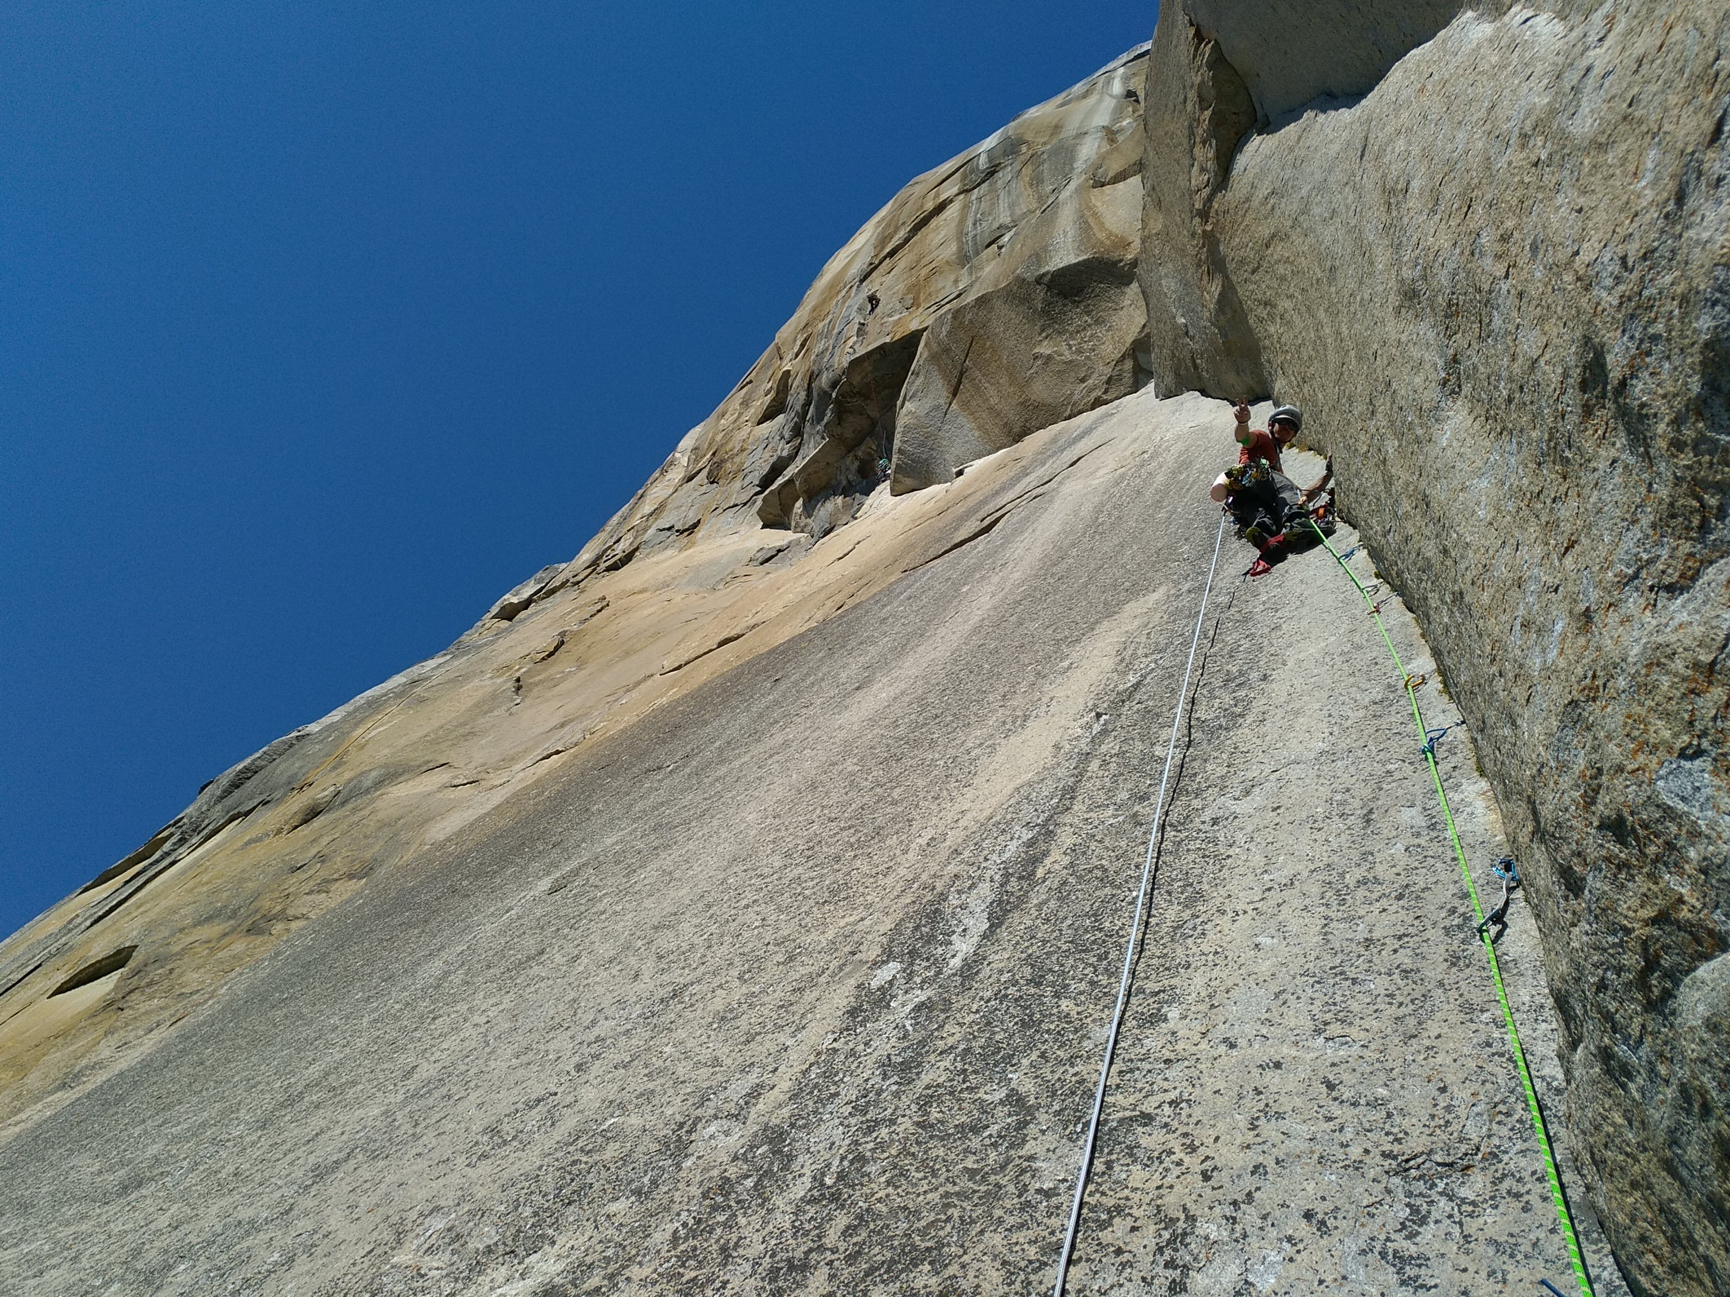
{"x":1261,"y":446}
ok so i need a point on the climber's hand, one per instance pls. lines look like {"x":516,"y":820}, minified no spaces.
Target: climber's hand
{"x":1241,"y":410}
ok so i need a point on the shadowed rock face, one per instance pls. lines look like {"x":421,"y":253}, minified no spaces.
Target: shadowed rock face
{"x":1499,"y":284}
{"x":825,"y":486}
{"x":1015,"y":359}
{"x":1289,"y":53}
{"x":1198,"y":108}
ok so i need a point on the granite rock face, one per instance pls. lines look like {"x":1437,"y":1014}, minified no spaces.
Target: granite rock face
{"x":737,"y":907}
{"x":1058,"y":335}
{"x":1044,"y":214}
{"x":760,"y":929}
{"x":1021,"y":252}
{"x":1494,"y":269}
{"x":1198,"y":108}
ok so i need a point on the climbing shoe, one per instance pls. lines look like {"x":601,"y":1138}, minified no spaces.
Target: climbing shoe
{"x":1255,"y":535}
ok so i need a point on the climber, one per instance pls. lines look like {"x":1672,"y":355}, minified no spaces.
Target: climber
{"x":1260,"y":501}
{"x":1259,"y":495}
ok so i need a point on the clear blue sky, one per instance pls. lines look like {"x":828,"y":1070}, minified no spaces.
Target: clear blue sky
{"x":322,"y":325}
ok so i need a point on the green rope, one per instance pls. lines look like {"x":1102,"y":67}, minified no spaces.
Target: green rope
{"x":1429,"y":752}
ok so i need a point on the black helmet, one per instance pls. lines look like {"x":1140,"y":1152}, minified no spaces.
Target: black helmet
{"x":1290,"y":413}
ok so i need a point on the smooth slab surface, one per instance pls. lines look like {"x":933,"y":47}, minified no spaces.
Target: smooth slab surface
{"x":798,"y":982}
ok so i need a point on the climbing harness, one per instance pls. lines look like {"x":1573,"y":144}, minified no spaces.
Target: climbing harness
{"x":1243,"y":477}
{"x":1134,"y":933}
{"x":1510,"y":879}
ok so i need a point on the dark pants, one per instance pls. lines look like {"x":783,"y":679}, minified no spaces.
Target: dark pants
{"x":1268,"y":506}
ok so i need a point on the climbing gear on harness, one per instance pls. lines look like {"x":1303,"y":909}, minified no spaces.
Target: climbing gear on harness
{"x":1557,"y":1196}
{"x":1246,"y":477}
{"x":1498,"y":917}
{"x":1134,"y":931}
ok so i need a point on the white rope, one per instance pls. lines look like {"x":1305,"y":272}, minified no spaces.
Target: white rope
{"x":1134,"y":933}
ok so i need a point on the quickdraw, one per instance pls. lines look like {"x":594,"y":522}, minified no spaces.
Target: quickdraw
{"x":1506,"y":870}
{"x":1431,"y":738}
{"x":1559,"y":1198}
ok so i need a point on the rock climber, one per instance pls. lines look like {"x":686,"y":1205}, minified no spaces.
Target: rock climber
{"x":1258,"y":493}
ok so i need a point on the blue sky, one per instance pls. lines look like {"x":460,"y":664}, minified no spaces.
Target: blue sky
{"x":323,"y":325}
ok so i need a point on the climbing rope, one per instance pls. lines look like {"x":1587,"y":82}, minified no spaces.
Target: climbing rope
{"x":1134,"y":935}
{"x":1428,"y":750}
